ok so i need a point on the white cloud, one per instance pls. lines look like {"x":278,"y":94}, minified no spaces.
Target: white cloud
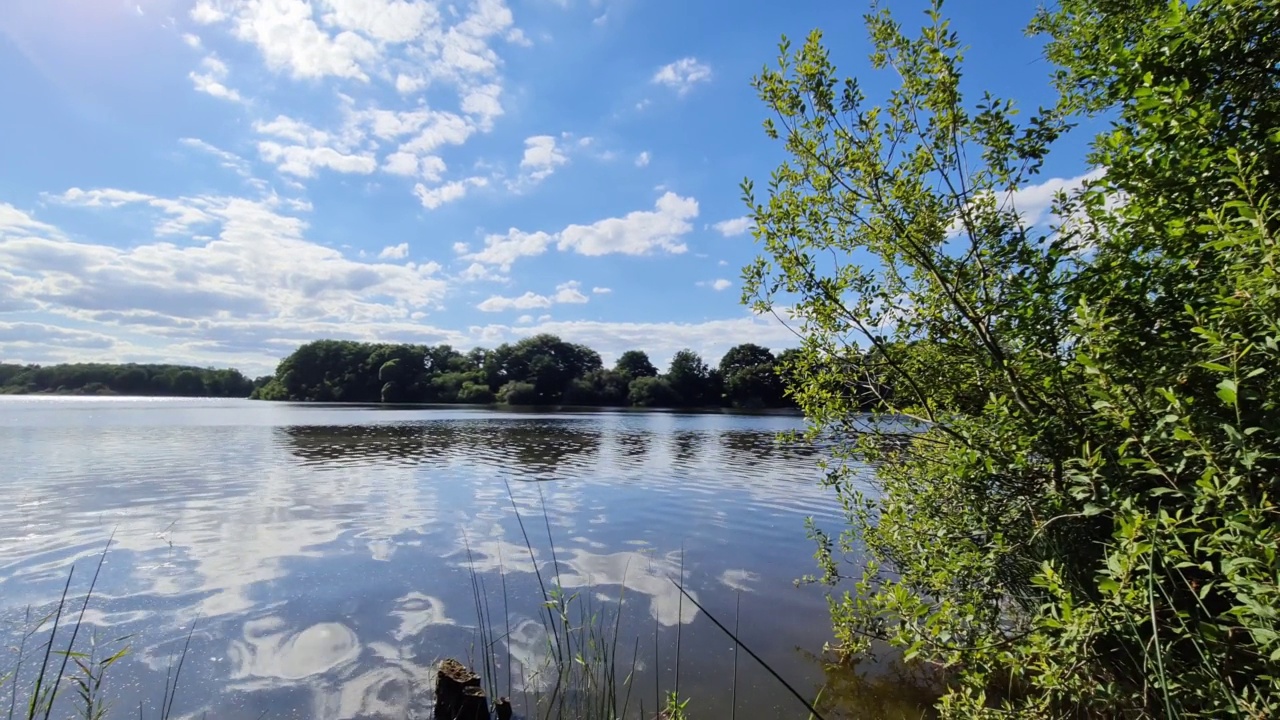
{"x":642,"y":159}
{"x":516,"y":36}
{"x":387,"y":21}
{"x":721,"y":284}
{"x":1033,"y":203}
{"x":24,"y":333}
{"x":430,"y":167}
{"x":311,"y":150}
{"x":484,"y":104}
{"x":390,"y":124}
{"x":569,"y":292}
{"x":439,"y":129}
{"x":661,"y":340}
{"x":304,"y":161}
{"x":191,"y":40}
{"x":206,"y":13}
{"x":601,"y":290}
{"x":476,"y":272}
{"x":638,"y":233}
{"x":286,"y":34}
{"x":524,"y":319}
{"x":566,"y":293}
{"x":683,"y":74}
{"x":432,"y":198}
{"x":394,"y":252}
{"x":497,"y":303}
{"x":229,"y":160}
{"x":733,"y":227}
{"x":541,"y":157}
{"x":409,"y":84}
{"x":503,"y":250}
{"x":210,"y":81}
{"x":254,"y":286}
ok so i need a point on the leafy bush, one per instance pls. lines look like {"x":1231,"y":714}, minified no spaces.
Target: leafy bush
{"x":518,"y":393}
{"x":476,"y":394}
{"x":1076,"y":447}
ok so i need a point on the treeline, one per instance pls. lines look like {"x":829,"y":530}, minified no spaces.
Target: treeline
{"x":540,"y":370}
{"x":127,"y":379}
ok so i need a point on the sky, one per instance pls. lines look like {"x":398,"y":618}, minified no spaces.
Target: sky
{"x":215,"y":182}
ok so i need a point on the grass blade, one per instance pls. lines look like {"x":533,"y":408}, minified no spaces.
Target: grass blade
{"x":76,"y":629}
{"x":809,"y":706}
{"x":48,"y":649}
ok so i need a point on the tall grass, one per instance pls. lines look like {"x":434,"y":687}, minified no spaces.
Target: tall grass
{"x":33,"y":691}
{"x":585,"y":674}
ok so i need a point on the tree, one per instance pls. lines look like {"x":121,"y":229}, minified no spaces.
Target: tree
{"x":652,"y":392}
{"x":690,"y":378}
{"x":476,"y":394}
{"x":599,"y":387}
{"x":635,"y":364}
{"x":545,"y":361}
{"x":750,"y":378}
{"x":1081,"y":505}
{"x":187,"y":383}
{"x":518,"y":393}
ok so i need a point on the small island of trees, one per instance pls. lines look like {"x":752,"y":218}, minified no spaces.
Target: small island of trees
{"x":539,"y":370}
{"x":123,"y":379}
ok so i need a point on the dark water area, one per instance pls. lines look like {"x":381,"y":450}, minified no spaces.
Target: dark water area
{"x":326,"y":553}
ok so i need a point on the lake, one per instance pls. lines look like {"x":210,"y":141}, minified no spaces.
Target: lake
{"x":326,"y":554}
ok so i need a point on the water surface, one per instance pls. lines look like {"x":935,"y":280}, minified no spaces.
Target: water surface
{"x":325,"y":553}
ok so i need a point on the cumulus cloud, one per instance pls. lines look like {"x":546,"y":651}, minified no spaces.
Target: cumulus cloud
{"x":503,"y":250}
{"x":433,"y":197}
{"x":305,"y":149}
{"x":721,"y":284}
{"x":209,"y":79}
{"x":733,"y":227}
{"x":394,"y":252}
{"x":1034,"y":203}
{"x":642,"y":160}
{"x":566,"y":293}
{"x":255,"y":273}
{"x":406,"y":44}
{"x":541,"y":157}
{"x":683,"y":74}
{"x":637,"y":233}
{"x":601,"y":290}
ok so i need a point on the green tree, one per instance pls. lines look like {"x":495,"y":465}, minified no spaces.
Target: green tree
{"x":750,"y":377}
{"x":652,"y":392}
{"x":691,"y":380}
{"x":599,"y":387}
{"x":519,"y":393}
{"x":188,"y":383}
{"x":635,"y":364}
{"x":476,"y":394}
{"x":1077,"y":447}
{"x":544,"y":361}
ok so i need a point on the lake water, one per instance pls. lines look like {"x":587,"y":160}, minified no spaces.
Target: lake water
{"x":326,"y":553}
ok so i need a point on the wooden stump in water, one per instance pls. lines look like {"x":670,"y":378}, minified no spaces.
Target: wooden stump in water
{"x":502,"y":709}
{"x":458,"y":693}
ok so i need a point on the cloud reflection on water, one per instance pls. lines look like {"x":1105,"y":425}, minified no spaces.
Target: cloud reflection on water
{"x":323,"y":557}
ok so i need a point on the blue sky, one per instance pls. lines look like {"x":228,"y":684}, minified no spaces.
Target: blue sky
{"x":218,"y":181}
